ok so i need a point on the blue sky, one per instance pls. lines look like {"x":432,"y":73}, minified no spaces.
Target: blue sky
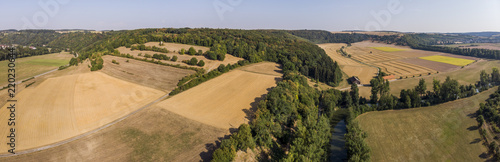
{"x":331,"y":15}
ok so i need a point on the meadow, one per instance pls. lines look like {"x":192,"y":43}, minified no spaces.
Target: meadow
{"x":444,"y":132}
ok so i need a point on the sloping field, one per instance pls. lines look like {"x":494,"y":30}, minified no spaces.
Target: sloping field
{"x":437,"y":66}
{"x":399,"y":60}
{"x":448,"y":60}
{"x":491,"y":46}
{"x":331,"y":50}
{"x":153,"y":134}
{"x":444,"y":132}
{"x":63,"y":107}
{"x":209,"y":64}
{"x":389,"y":49}
{"x":222,"y":102}
{"x":404,"y":69}
{"x":144,"y":73}
{"x":30,"y":66}
{"x":467,"y":75}
{"x":176,"y":46}
{"x":350,"y":67}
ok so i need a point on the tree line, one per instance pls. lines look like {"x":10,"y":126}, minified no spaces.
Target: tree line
{"x":292,"y":123}
{"x":488,"y":113}
{"x":253,"y":45}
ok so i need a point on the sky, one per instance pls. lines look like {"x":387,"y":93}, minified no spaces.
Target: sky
{"x":331,"y":15}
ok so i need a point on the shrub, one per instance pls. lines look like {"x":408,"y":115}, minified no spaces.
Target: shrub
{"x":495,"y":129}
{"x":116,"y":62}
{"x":201,"y":63}
{"x":192,"y":51}
{"x":174,"y":58}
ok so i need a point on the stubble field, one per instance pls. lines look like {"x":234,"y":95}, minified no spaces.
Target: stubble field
{"x":63,"y":107}
{"x":350,"y":67}
{"x":223,"y":101}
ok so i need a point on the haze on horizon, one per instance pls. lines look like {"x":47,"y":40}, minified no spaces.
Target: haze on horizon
{"x":332,"y":15}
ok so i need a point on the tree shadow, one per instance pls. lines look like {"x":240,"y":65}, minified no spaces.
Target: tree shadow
{"x":477,"y":140}
{"x":249,"y":115}
{"x":211,"y":147}
{"x":473,"y":128}
{"x":484,"y":155}
{"x":472,"y":115}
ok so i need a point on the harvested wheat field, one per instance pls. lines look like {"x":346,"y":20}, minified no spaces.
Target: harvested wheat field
{"x":223,"y":101}
{"x":64,"y":107}
{"x":152,"y":134}
{"x":209,"y":64}
{"x":400,"y":61}
{"x":349,"y":66}
{"x":144,"y":73}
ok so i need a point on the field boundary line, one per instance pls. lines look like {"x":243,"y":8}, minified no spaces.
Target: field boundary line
{"x":84,"y":134}
{"x":258,"y":72}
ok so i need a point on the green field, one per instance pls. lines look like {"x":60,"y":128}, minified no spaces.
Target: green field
{"x":30,"y":66}
{"x":388,"y":49}
{"x":444,"y":132}
{"x":448,"y":60}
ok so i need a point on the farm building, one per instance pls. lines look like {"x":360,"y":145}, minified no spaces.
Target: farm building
{"x":354,"y":80}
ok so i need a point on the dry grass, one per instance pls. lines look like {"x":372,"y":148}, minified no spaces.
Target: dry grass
{"x":63,"y":107}
{"x":350,"y":67}
{"x":177,"y":46}
{"x":399,"y":61}
{"x":445,"y":132}
{"x":164,"y":136}
{"x":389,"y":49}
{"x":209,"y":64}
{"x":468,"y":75}
{"x":144,"y":73}
{"x":224,"y":102}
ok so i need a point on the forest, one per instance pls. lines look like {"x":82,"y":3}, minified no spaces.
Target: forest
{"x":287,"y":126}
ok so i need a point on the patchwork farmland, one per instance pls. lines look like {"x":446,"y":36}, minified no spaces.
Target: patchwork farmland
{"x":349,"y":66}
{"x":403,"y":62}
